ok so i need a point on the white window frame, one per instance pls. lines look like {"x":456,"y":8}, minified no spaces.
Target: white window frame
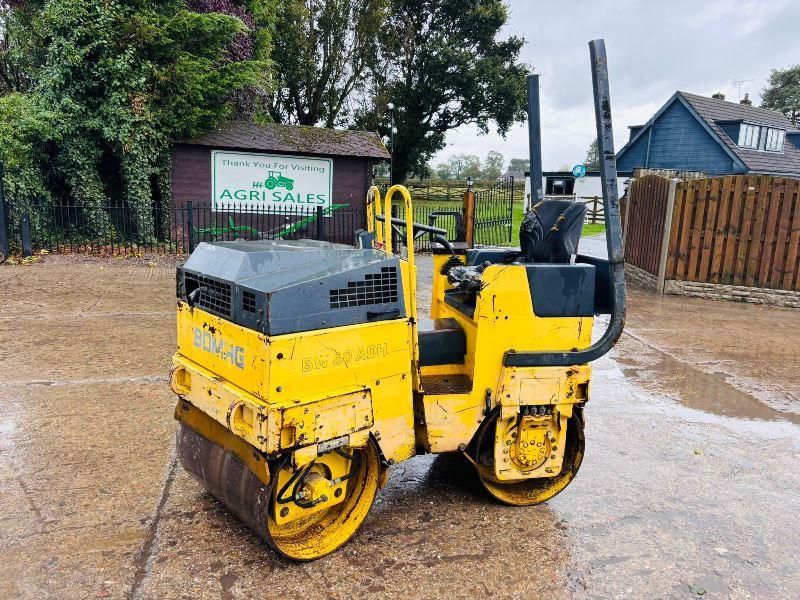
{"x":749,"y":136}
{"x":775,"y":139}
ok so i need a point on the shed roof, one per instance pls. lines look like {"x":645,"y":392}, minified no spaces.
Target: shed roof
{"x":295,"y":139}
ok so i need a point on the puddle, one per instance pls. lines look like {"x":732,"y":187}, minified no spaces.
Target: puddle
{"x":708,"y":392}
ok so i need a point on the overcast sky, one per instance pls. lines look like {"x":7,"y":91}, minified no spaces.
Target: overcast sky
{"x":654,"y":48}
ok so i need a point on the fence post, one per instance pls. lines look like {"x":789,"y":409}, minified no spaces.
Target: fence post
{"x":594,"y":210}
{"x":25,"y":224}
{"x":320,"y":224}
{"x":190,"y":224}
{"x":3,"y":216}
{"x":468,"y":210}
{"x":662,"y":259}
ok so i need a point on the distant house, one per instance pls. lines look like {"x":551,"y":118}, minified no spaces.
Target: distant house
{"x":710,"y":135}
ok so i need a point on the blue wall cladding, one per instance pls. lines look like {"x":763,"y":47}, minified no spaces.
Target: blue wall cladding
{"x":678,"y":141}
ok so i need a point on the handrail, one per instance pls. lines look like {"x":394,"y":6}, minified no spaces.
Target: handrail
{"x":373,"y":210}
{"x":412,"y":273}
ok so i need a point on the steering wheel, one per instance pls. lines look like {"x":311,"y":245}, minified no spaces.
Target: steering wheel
{"x":418,"y":230}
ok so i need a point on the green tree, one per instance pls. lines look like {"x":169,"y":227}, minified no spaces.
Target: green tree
{"x":443,"y":171}
{"x":519,"y":164}
{"x":783,"y":93}
{"x":460,"y":166}
{"x":493,"y":165}
{"x":322,"y":51}
{"x":472,"y":167}
{"x":445,"y":66}
{"x":592,"y":160}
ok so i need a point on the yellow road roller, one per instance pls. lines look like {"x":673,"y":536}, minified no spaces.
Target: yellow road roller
{"x":304,"y":372}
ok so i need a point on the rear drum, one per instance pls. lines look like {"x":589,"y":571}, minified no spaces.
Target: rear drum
{"x":238,"y":488}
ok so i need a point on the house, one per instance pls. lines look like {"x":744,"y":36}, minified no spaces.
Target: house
{"x":713,"y":136}
{"x":275,"y":166}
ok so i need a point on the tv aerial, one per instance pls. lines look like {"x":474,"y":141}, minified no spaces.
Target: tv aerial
{"x":738,"y":83}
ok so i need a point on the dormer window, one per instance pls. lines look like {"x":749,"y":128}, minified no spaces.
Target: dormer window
{"x":775,"y":139}
{"x":748,"y":136}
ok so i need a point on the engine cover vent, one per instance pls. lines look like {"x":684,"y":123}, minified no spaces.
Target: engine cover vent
{"x":248,"y":301}
{"x":214,"y":295}
{"x":375,"y":288}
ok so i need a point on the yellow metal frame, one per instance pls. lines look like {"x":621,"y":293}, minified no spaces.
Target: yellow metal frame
{"x":411,"y":281}
{"x":374,"y":208}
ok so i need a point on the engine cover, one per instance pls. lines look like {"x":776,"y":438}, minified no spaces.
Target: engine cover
{"x":279,"y":287}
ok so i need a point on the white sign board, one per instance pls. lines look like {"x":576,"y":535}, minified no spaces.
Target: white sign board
{"x":267,"y":182}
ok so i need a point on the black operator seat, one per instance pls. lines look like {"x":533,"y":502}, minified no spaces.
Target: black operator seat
{"x":549,"y":237}
{"x":551,"y":230}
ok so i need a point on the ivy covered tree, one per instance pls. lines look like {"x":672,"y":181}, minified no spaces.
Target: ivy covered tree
{"x":115,"y":83}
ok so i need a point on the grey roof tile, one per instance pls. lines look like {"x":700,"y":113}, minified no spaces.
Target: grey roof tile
{"x":714,"y":111}
{"x":276,"y":137}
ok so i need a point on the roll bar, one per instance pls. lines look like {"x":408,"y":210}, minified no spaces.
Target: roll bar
{"x":412,"y":273}
{"x":616,"y":258}
{"x":374,"y":209}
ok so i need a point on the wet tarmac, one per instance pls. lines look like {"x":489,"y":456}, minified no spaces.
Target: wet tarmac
{"x":690,"y":486}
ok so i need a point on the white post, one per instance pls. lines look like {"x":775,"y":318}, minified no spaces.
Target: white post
{"x":662,"y":260}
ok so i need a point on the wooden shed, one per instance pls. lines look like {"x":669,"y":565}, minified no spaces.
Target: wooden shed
{"x":274,"y":165}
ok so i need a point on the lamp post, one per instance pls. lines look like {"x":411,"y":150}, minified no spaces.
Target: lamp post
{"x":390,"y":108}
{"x":470,"y":183}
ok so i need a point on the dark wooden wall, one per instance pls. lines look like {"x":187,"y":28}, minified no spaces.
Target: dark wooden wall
{"x":191,"y":176}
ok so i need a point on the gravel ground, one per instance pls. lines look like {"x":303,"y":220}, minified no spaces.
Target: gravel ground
{"x":689,"y":487}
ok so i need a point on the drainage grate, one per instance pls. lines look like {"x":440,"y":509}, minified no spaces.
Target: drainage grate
{"x":213,"y":295}
{"x":248,"y":301}
{"x":375,"y":288}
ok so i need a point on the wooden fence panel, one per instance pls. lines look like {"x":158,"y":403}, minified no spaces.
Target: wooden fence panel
{"x":698,"y":218}
{"x":774,"y":208}
{"x":708,"y":230}
{"x":720,"y":232}
{"x":737,"y":230}
{"x":732,"y":231}
{"x":684,"y":233}
{"x":647,"y":201}
{"x":675,"y":228}
{"x":791,"y":268}
{"x":745,"y":232}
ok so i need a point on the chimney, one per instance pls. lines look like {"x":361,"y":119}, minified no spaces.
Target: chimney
{"x":746,"y":100}
{"x":718,"y":96}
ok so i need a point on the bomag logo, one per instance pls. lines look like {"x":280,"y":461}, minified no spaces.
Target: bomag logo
{"x":216,"y":345}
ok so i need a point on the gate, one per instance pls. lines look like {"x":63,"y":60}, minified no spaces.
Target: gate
{"x":646,"y":207}
{"x":494,"y":213}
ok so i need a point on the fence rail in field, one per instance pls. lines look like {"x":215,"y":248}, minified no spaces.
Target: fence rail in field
{"x":594,"y":206}
{"x":741,"y":230}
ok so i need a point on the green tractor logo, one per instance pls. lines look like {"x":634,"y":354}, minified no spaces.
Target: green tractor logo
{"x":276,"y":179}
